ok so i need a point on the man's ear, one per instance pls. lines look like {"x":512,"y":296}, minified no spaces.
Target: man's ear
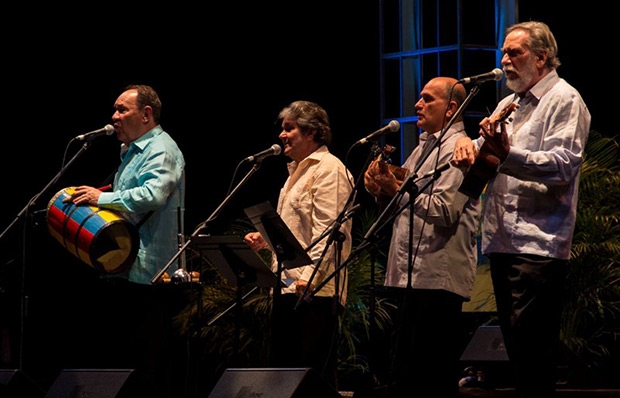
{"x":541,"y":60}
{"x":147,"y":113}
{"x":452,"y":108}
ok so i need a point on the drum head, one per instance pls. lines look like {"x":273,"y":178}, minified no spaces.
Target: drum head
{"x":115,"y":247}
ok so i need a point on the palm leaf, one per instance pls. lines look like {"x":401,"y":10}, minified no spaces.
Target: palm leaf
{"x":591,"y":316}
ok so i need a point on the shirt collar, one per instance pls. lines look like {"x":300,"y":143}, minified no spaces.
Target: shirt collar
{"x":544,"y":85}
{"x":142,"y":142}
{"x":455,"y":128}
{"x":313,"y":157}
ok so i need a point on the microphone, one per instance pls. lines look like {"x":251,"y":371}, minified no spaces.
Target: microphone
{"x":495,"y":74}
{"x":391,"y":127}
{"x":275,"y":149}
{"x":107,"y":130}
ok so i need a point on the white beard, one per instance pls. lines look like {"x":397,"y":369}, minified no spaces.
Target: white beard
{"x":522,"y":82}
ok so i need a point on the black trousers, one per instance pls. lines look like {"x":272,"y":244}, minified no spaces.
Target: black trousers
{"x":306,"y":336}
{"x":426,"y":350}
{"x":130,"y":327}
{"x":529,"y":295}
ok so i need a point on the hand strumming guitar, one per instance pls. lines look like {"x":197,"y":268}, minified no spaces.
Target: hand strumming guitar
{"x":483,"y":162}
{"x":497,"y":141}
{"x":379,"y":179}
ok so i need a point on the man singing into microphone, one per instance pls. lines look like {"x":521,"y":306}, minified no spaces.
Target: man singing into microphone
{"x":312,"y":197}
{"x":132,"y":319}
{"x":530,"y":209}
{"x":149,"y":184}
{"x":441,"y":244}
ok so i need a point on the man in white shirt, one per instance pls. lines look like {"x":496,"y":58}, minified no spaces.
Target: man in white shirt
{"x":310,"y":201}
{"x":531,"y":203}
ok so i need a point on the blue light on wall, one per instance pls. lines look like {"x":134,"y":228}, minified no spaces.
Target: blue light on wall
{"x":422,"y":39}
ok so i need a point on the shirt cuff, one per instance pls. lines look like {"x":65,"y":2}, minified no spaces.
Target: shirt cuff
{"x":105,"y":198}
{"x":516,"y":159}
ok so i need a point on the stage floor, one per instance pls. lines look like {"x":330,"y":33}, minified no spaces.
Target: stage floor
{"x":560,"y":393}
{"x":510,"y":393}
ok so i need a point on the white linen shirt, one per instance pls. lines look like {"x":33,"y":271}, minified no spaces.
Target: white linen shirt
{"x":311,"y":199}
{"x":531,"y":204}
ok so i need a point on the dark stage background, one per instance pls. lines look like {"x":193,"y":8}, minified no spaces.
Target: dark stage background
{"x":223,"y":71}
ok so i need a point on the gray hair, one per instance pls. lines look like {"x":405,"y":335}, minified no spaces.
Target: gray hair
{"x":541,"y":41}
{"x":310,"y":117}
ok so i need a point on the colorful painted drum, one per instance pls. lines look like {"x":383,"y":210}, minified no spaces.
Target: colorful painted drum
{"x":101,"y":238}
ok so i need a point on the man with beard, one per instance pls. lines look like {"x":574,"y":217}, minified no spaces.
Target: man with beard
{"x":530,"y":204}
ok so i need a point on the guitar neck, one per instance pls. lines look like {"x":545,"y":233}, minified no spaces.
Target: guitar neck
{"x":487,"y":161}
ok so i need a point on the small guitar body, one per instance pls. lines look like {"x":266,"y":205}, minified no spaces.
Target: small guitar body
{"x":383,"y":156}
{"x":487,"y":161}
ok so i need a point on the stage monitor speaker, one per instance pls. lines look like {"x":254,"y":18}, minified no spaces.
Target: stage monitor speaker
{"x":487,"y":344}
{"x":15,"y":384}
{"x":94,"y":383}
{"x":485,"y":357}
{"x":273,"y":383}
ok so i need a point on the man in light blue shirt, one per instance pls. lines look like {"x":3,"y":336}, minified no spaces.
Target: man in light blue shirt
{"x":149,"y":184}
{"x":131,"y":317}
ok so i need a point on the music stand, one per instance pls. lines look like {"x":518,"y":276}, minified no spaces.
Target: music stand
{"x":235,"y":260}
{"x":239,"y":264}
{"x":280,"y":239}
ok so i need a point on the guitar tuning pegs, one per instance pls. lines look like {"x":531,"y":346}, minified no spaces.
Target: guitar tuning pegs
{"x":389,"y":148}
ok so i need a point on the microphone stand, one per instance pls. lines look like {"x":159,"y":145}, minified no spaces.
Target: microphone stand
{"x":205,"y":223}
{"x":232,"y":306}
{"x":53,"y":181}
{"x":333,"y":233}
{"x":23,"y":214}
{"x":366,"y":241}
{"x":196,"y":232}
{"x":405,"y":187}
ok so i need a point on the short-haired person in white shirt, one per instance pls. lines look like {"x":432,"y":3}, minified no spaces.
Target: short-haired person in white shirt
{"x":531,"y":203}
{"x":311,"y":199}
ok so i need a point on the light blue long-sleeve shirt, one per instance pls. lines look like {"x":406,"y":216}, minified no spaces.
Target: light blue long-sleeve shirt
{"x":151,"y":177}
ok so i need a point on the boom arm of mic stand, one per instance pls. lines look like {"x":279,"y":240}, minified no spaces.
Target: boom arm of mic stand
{"x":474,"y":91}
{"x":366,"y":242}
{"x":407,"y":184}
{"x":204,"y":224}
{"x":48,"y":186}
